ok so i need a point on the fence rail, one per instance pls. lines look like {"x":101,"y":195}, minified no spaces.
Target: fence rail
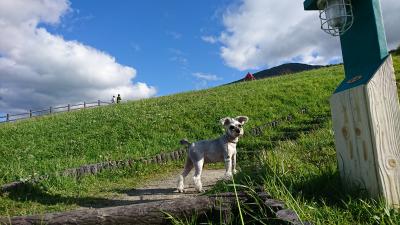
{"x":51,"y":110}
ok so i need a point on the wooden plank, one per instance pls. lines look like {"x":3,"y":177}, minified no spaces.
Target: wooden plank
{"x":384,"y":111}
{"x":366,"y":121}
{"x":353,"y":140}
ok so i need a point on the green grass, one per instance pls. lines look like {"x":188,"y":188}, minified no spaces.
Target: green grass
{"x":302,"y":170}
{"x":147,"y":127}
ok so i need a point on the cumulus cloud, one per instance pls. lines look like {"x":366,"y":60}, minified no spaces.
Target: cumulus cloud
{"x":39,"y":69}
{"x":265,"y":33}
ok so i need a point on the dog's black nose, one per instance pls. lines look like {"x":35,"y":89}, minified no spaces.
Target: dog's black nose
{"x":237,"y":130}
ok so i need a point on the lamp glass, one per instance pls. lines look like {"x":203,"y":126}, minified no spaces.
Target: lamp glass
{"x":336,"y":16}
{"x":336,"y":13}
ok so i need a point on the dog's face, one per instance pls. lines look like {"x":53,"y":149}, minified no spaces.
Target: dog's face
{"x":234,"y":126}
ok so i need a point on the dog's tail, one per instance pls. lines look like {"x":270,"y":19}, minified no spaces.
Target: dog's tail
{"x":185,"y":142}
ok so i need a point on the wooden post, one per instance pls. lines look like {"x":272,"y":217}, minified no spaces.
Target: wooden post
{"x":50,"y":110}
{"x":8,"y":117}
{"x":98,"y":102}
{"x":366,"y":121}
{"x":84,"y":104}
{"x":69,"y":107}
{"x":30,"y":113}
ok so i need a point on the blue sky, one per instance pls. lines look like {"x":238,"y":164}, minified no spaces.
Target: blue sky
{"x":162,"y":40}
{"x":62,"y":52}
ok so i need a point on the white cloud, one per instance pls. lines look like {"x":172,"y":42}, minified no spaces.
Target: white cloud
{"x":260,"y":33}
{"x":210,"y":39}
{"x":39,"y":69}
{"x":391,"y":18}
{"x":206,"y":76}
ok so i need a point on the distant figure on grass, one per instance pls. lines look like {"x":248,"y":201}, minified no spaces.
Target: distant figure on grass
{"x":249,"y":77}
{"x":113,"y":99}
{"x":119,"y":98}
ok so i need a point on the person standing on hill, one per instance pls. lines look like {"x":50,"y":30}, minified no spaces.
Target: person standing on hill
{"x":119,"y":98}
{"x":113,"y":99}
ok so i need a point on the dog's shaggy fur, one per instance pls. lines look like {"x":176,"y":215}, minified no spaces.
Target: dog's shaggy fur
{"x":217,"y":150}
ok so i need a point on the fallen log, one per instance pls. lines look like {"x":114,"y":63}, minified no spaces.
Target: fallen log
{"x":145,"y":213}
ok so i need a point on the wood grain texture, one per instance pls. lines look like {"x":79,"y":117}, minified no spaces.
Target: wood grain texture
{"x":353,"y":140}
{"x":366,"y":121}
{"x":384,"y":110}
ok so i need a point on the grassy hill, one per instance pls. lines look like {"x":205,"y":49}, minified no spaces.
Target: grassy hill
{"x":151,"y":126}
{"x":300,"y":166}
{"x":287,"y":68}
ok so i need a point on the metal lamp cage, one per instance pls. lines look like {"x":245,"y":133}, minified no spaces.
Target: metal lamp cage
{"x":336,"y":16}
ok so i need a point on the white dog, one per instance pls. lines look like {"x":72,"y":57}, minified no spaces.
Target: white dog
{"x":217,"y":150}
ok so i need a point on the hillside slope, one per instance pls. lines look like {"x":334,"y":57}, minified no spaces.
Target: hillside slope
{"x":147,"y":127}
{"x":287,"y":68}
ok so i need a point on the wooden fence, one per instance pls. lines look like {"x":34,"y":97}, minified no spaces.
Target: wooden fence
{"x":51,"y":110}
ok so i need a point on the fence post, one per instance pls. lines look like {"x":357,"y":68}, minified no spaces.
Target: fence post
{"x":84,"y":104}
{"x":98,"y":102}
{"x":69,"y":107}
{"x":30,"y":113}
{"x":50,"y":110}
{"x":8,"y":117}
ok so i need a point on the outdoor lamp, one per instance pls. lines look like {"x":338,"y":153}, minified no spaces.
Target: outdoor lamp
{"x":336,"y":16}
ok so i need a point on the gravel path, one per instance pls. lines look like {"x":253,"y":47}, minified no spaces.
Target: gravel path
{"x":161,"y":189}
{"x":165,"y":189}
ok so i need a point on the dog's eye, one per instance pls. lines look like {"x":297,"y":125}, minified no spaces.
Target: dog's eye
{"x":240,"y":125}
{"x":231,"y":127}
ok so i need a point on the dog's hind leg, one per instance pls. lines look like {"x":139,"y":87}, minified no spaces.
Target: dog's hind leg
{"x":186,"y":171}
{"x":197,"y":175}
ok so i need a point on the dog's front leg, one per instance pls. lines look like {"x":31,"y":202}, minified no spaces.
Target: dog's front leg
{"x":234,"y":171}
{"x":228,"y":166}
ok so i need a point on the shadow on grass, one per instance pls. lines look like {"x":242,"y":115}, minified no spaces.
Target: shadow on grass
{"x":36,"y":193}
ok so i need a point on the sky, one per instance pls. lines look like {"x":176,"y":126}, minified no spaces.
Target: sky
{"x":56,"y":52}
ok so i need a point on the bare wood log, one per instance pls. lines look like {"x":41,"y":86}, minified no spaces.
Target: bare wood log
{"x":158,"y":158}
{"x":146,"y":213}
{"x":172,"y":155}
{"x":164,"y":157}
{"x":145,"y":161}
{"x":274,"y":205}
{"x":93,"y":169}
{"x":176,"y":154}
{"x":130,"y":162}
{"x":120,"y":163}
{"x":288,"y":216}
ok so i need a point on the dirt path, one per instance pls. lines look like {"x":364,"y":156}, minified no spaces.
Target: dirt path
{"x":165,"y":189}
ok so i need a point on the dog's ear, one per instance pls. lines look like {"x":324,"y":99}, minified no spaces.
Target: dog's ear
{"x":242,"y":119}
{"x":225,"y":121}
